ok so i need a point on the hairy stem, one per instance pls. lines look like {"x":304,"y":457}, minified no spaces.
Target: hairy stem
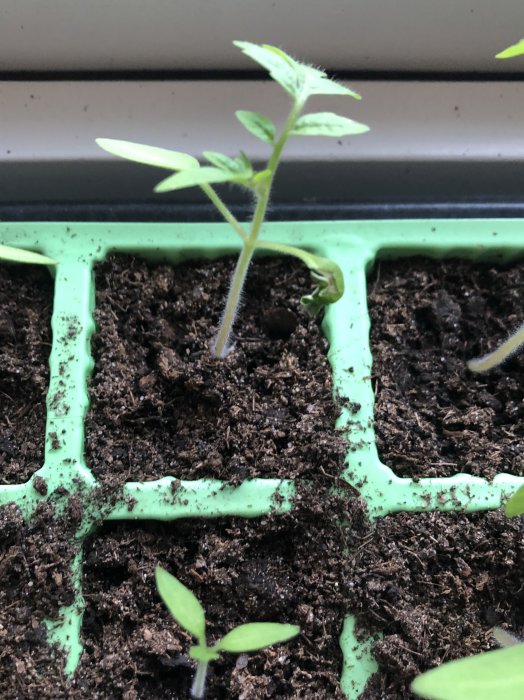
{"x":512,"y":345}
{"x":224,"y":210}
{"x":221,"y":346}
{"x":198,"y":688}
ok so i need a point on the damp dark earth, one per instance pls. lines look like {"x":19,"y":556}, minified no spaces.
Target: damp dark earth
{"x":432,"y":585}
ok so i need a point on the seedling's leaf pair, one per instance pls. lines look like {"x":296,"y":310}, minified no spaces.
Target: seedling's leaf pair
{"x":298,"y":79}
{"x":185,"y":608}
{"x":190,"y":173}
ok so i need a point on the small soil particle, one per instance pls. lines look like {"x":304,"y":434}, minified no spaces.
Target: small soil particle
{"x":40,"y":485}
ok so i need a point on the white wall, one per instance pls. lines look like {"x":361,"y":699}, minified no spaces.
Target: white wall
{"x":427,"y":139}
{"x":391,"y":35}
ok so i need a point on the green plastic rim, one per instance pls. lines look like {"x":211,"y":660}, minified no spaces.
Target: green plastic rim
{"x":354,"y":246}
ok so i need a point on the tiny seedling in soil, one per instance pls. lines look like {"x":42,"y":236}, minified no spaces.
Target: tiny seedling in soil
{"x":516,"y":340}
{"x":300,"y":81}
{"x":187,"y":611}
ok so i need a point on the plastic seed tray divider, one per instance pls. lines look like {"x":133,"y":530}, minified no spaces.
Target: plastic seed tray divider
{"x":355,"y":246}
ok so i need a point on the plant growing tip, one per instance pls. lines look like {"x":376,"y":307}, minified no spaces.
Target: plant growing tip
{"x":300,"y":81}
{"x":185,"y":608}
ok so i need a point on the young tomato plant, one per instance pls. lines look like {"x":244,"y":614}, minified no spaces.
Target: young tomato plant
{"x":301,"y":82}
{"x":187,"y":611}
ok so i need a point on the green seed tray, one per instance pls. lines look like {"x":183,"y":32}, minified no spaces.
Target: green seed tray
{"x":354,"y":245}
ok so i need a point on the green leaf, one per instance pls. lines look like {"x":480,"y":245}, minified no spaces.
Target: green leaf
{"x":494,"y":674}
{"x":326,"y":274}
{"x":512,"y":51}
{"x":181,"y":603}
{"x":239,"y":167}
{"x":190,"y":178}
{"x":24,"y":256}
{"x":221,"y":160}
{"x":325,"y":86}
{"x":256,"y":635}
{"x":515,"y":505}
{"x":282,"y":68}
{"x":327,"y":124}
{"x":257,"y":124}
{"x":203,"y":653}
{"x":149,"y":155}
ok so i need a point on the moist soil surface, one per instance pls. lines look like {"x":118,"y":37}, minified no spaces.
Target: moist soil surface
{"x":433,"y":584}
{"x":26,"y":299}
{"x":433,"y":417}
{"x":162,"y":405}
{"x":287,"y":568}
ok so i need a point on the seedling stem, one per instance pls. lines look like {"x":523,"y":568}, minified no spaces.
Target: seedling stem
{"x":185,"y":608}
{"x":300,"y":81}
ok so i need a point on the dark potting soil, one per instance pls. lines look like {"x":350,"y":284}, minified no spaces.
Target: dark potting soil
{"x":161,"y":405}
{"x":288,"y":568}
{"x":34,"y":569}
{"x":434,"y":585}
{"x":433,"y":417}
{"x":26,"y":298}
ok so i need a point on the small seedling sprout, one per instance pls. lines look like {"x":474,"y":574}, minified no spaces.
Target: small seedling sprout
{"x":512,"y":51}
{"x":301,"y":82}
{"x":185,"y":608}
